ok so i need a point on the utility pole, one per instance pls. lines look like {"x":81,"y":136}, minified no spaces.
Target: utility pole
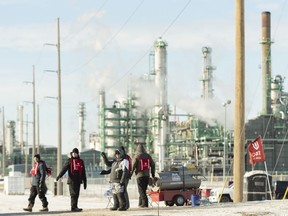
{"x":59,"y":150}
{"x":38,"y":131}
{"x":34,"y":117}
{"x":3,"y":145}
{"x":20,"y":126}
{"x":26,"y":148}
{"x":239,"y":125}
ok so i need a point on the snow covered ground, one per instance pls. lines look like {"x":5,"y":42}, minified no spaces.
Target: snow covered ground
{"x":60,"y":205}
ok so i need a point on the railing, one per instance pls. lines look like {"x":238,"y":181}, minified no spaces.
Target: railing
{"x":98,"y":186}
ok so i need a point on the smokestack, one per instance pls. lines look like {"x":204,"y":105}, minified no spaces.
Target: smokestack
{"x":266,"y":63}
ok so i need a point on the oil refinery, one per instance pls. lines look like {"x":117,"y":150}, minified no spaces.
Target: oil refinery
{"x":146,"y":116}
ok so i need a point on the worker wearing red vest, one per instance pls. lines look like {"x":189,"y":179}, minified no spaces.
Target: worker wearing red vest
{"x":76,"y":176}
{"x":38,"y":186}
{"x":143,"y":165}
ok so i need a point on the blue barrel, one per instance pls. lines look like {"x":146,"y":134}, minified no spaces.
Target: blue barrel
{"x":195,"y":200}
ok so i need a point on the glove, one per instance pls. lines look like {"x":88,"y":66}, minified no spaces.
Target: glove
{"x":85,"y":185}
{"x":105,"y":172}
{"x":103,"y":154}
{"x":155,"y":180}
{"x":57,"y":178}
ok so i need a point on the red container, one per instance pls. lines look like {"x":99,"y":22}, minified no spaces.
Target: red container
{"x":206,"y":192}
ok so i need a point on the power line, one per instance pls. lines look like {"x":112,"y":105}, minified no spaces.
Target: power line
{"x":176,"y":18}
{"x":70,"y":36}
{"x":111,"y":39}
{"x":148,"y":50}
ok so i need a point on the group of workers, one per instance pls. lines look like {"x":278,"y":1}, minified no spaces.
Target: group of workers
{"x":121,"y":169}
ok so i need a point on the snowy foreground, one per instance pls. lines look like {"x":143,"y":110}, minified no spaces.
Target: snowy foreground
{"x":60,"y":205}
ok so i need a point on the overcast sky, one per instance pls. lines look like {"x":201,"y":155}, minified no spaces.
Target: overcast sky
{"x":106,"y":43}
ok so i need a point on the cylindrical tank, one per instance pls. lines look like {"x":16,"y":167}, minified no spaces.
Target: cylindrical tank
{"x":181,"y":178}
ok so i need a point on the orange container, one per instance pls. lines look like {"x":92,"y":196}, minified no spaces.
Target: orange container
{"x":206,"y":192}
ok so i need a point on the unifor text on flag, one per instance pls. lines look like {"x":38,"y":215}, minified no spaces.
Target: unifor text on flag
{"x":256,"y":151}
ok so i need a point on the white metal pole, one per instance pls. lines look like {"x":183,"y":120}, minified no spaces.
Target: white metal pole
{"x":224,"y":143}
{"x":3,"y":145}
{"x":34,"y":117}
{"x":59,"y":150}
{"x":224,"y":152}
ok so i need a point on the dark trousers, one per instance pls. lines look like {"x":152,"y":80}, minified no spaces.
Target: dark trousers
{"x":74,"y":189}
{"x":119,"y":201}
{"x":142,"y":183}
{"x":126,"y":195}
{"x":34,"y":191}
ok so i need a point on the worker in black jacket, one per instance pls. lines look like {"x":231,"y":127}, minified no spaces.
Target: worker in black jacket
{"x":38,"y":186}
{"x":76,"y":176}
{"x":143,"y":165}
{"x":109,"y":163}
{"x":118,"y":178}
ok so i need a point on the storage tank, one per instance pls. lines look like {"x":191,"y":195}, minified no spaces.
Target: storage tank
{"x":180,"y":178}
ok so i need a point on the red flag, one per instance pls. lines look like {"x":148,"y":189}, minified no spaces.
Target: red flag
{"x":256,"y":151}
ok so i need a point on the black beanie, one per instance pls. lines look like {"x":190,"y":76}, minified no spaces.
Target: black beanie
{"x":75,"y":150}
{"x":37,"y":156}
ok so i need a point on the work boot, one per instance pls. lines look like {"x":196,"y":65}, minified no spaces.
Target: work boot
{"x":76,"y":209}
{"x":29,"y":208}
{"x":122,"y":209}
{"x":44,"y":209}
{"x":113,"y":208}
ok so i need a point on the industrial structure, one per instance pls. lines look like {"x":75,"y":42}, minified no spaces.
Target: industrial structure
{"x":191,"y":140}
{"x":128,"y":122}
{"x":209,"y":147}
{"x":272,"y":123}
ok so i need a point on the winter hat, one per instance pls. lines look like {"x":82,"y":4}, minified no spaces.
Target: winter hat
{"x":123,"y":149}
{"x":75,"y":150}
{"x":37,"y":156}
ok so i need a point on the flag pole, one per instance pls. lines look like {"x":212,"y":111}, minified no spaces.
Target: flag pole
{"x":268,"y":180}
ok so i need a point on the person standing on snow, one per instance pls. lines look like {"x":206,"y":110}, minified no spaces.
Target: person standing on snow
{"x":142,"y":165}
{"x":76,"y":176}
{"x":38,"y":186}
{"x":118,"y":178}
{"x":109,"y":163}
{"x":127,"y":157}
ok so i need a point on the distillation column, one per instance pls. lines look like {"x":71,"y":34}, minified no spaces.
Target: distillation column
{"x":161,"y":106}
{"x":10,"y":137}
{"x":266,"y":63}
{"x":101,"y":121}
{"x":82,"y":115}
{"x":207,"y":74}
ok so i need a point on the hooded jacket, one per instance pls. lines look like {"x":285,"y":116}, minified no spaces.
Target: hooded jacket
{"x":119,"y":169}
{"x":71,"y":177}
{"x":39,"y":177}
{"x":142,"y":154}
